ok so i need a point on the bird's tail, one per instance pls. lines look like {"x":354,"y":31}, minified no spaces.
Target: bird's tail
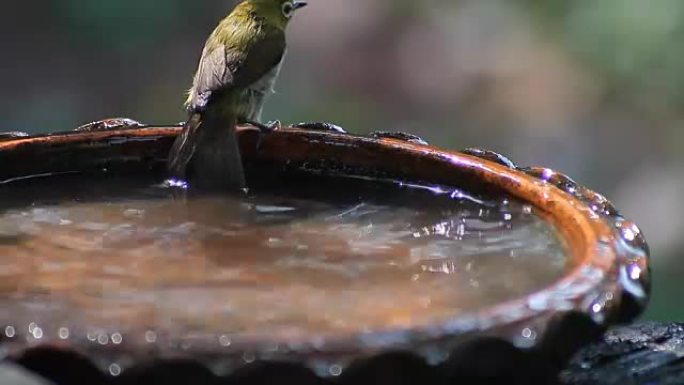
{"x":206,"y":155}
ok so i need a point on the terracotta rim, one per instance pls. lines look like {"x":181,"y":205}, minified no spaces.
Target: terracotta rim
{"x":608,"y":254}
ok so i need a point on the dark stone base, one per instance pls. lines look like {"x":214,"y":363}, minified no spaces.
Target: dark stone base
{"x":650,"y":353}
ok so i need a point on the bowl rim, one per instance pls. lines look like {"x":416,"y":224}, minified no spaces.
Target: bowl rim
{"x":608,"y":255}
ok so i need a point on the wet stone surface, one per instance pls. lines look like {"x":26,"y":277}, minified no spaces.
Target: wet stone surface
{"x":490,"y":156}
{"x":644,"y":354}
{"x":109,"y":124}
{"x":12,"y":135}
{"x":403,"y":136}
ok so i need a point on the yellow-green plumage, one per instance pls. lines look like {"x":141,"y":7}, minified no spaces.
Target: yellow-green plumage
{"x":239,"y":65}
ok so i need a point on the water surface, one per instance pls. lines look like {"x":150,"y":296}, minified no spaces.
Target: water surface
{"x":319,"y":259}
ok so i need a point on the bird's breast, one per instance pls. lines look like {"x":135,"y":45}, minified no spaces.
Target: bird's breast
{"x":265,"y":84}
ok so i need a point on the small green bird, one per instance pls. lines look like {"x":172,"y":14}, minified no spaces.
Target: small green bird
{"x":238,"y":68}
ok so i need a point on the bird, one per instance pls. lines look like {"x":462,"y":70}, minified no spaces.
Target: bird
{"x":238,"y":68}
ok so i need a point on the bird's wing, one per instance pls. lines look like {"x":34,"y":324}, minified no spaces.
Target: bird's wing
{"x":264,"y":55}
{"x":211,"y":76}
{"x":226,"y":67}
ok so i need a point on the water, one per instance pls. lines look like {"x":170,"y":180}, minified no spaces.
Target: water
{"x":119,"y":258}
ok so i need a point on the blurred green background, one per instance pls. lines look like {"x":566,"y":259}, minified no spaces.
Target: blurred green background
{"x":592,"y":88}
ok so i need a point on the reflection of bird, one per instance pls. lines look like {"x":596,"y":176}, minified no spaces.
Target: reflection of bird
{"x":239,"y":65}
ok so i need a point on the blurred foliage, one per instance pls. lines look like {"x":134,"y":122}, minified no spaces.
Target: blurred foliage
{"x":633,"y":43}
{"x":101,"y":22}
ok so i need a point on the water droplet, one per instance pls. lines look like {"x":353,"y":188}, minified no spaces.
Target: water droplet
{"x":117,"y":338}
{"x":115,"y":370}
{"x":461,"y":230}
{"x":248,"y":357}
{"x":225,"y":341}
{"x":37,"y":333}
{"x":335,"y":370}
{"x":103,"y":339}
{"x":10,"y":332}
{"x":63,"y":333}
{"x":628,"y":234}
{"x":529,"y":334}
{"x":150,"y":336}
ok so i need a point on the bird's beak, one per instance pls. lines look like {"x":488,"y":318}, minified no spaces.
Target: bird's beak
{"x":299,"y":4}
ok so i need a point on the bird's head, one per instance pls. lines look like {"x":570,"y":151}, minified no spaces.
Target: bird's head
{"x":278,"y":12}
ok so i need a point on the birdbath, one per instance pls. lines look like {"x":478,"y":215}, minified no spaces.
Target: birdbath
{"x":345,"y":249}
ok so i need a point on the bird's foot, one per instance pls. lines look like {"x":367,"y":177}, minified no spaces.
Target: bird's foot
{"x":321,"y":126}
{"x":110,"y":124}
{"x":403,"y":136}
{"x":266,"y":128}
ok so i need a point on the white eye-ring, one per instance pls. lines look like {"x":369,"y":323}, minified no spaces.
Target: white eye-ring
{"x":288,"y":9}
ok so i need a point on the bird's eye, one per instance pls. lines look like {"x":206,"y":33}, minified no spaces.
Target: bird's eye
{"x":288,"y":9}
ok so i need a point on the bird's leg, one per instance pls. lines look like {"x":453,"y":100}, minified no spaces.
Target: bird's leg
{"x":321,"y":126}
{"x":403,"y":136}
{"x":265,"y":128}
